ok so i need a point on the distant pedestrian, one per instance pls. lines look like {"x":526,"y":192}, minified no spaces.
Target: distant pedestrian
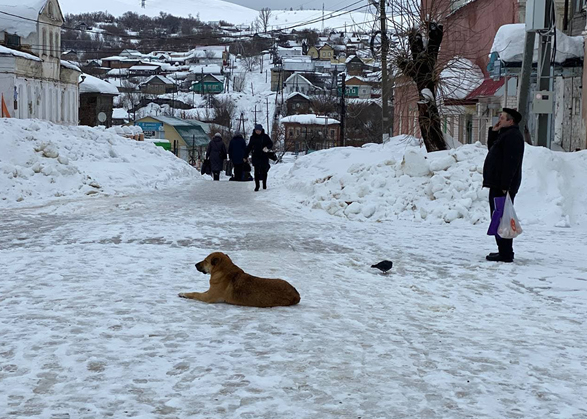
{"x":217,"y":154}
{"x":236,"y":151}
{"x":260,"y":144}
{"x":502,"y":171}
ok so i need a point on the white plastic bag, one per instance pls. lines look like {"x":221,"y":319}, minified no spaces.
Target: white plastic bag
{"x":509,"y":226}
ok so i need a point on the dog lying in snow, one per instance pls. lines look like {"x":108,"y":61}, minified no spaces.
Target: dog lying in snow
{"x":230,"y":284}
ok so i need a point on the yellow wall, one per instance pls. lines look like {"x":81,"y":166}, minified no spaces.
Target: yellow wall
{"x":170,"y":132}
{"x":313,"y":52}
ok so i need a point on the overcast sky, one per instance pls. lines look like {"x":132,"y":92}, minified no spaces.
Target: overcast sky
{"x":286,"y":4}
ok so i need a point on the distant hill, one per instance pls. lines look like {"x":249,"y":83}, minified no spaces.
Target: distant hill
{"x":216,"y":10}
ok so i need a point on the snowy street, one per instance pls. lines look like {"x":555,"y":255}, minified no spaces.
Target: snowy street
{"x":92,"y":327}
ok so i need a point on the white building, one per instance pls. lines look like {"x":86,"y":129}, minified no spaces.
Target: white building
{"x":34,"y":81}
{"x":298,"y":83}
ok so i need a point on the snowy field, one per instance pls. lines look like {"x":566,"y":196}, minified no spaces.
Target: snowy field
{"x":92,"y":327}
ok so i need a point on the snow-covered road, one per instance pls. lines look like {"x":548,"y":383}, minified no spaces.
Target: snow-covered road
{"x":91,"y":325}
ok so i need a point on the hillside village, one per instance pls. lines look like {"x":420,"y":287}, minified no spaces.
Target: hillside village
{"x":311,"y":89}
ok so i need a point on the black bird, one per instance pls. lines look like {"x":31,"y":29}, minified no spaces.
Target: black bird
{"x":383,"y":266}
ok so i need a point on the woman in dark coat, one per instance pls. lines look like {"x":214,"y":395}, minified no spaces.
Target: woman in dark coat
{"x":216,"y":153}
{"x":259,"y":145}
{"x":502,"y":170}
{"x":236,"y":152}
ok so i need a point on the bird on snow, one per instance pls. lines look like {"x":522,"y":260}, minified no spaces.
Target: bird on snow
{"x":383,"y":266}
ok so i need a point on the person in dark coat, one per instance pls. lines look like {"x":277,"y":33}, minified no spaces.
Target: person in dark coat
{"x":216,"y":153}
{"x":236,"y":152}
{"x":260,"y":144}
{"x":502,"y":171}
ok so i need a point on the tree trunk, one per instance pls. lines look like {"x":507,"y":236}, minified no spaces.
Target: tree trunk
{"x":429,"y":121}
{"x":420,"y":66}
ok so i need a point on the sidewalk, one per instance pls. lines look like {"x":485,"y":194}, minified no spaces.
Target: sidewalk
{"x":91,"y":324}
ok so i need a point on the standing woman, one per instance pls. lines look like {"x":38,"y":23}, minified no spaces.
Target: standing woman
{"x":236,"y":152}
{"x":216,"y":153}
{"x":259,"y":145}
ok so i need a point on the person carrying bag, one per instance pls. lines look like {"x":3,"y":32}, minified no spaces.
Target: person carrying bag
{"x":502,"y":174}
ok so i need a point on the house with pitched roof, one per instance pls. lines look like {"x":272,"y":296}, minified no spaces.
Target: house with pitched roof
{"x":157,"y":85}
{"x":298,"y":83}
{"x":309,"y":132}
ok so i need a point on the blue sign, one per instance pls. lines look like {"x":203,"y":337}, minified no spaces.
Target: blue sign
{"x":150,"y":126}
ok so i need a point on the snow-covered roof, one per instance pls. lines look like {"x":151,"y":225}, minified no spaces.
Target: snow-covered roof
{"x":29,"y":10}
{"x":70,"y":65}
{"x":115,"y":58}
{"x":93,"y":84}
{"x":309,"y":119}
{"x":509,"y":44}
{"x":206,"y":69}
{"x":118,"y":72}
{"x":359,"y":78}
{"x":296,"y":94}
{"x":120,"y":113}
{"x":299,"y":78}
{"x":10,"y":51}
{"x":351,"y":57}
{"x":459,"y":78}
{"x":144,"y":67}
{"x":164,"y":79}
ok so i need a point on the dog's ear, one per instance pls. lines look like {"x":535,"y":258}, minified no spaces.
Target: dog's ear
{"x":215,"y":261}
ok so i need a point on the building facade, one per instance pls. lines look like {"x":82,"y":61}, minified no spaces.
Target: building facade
{"x":34,"y":82}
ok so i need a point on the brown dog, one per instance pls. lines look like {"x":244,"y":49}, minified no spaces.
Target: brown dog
{"x":230,"y":284}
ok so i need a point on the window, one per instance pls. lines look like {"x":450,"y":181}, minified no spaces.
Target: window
{"x":12,"y":40}
{"x":44,"y":42}
{"x":331,"y":133}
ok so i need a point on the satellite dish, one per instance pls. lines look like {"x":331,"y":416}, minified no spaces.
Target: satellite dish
{"x":102,"y":117}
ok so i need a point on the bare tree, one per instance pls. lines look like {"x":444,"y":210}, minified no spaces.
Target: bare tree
{"x":420,"y":66}
{"x":239,"y":81}
{"x":417,"y":29}
{"x":224,"y":110}
{"x":264,"y":15}
{"x":250,"y":62}
{"x":131,"y":97}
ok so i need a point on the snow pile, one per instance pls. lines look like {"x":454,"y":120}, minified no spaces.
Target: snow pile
{"x":41,"y":161}
{"x":509,"y":44}
{"x":399,"y":180}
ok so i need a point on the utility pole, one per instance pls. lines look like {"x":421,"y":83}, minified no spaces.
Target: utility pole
{"x":538,"y":19}
{"x":384,"y":77}
{"x":267,"y":105}
{"x":544,"y":81}
{"x":241,"y":123}
{"x":255,"y":111}
{"x":342,"y":111}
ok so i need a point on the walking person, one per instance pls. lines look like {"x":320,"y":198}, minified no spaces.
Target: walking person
{"x":502,"y":170}
{"x":260,"y":144}
{"x":216,"y":152}
{"x":236,"y":153}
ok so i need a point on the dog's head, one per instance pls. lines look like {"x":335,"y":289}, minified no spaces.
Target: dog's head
{"x":212,"y":260}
